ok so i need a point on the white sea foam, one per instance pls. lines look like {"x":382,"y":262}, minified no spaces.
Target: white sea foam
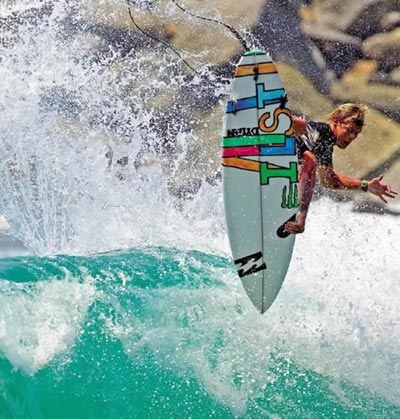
{"x":40,"y":321}
{"x":337,"y":315}
{"x":339,"y":304}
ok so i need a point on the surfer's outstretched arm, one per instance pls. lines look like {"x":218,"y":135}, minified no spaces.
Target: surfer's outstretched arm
{"x":376,"y":186}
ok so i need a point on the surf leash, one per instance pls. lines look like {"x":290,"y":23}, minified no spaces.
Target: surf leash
{"x":169,"y":46}
{"x":161,"y":41}
{"x":219,"y":22}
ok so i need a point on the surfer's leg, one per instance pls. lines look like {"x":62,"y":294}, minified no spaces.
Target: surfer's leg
{"x":307,"y":178}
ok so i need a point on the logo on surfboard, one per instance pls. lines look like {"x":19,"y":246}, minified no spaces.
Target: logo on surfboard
{"x":250,"y":264}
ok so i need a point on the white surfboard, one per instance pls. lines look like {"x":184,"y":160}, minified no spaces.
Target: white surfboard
{"x":260,"y":173}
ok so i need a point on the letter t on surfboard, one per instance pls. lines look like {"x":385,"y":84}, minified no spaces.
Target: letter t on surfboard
{"x":260,"y":174}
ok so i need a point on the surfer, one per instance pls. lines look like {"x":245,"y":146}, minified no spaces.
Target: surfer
{"x":315,"y":142}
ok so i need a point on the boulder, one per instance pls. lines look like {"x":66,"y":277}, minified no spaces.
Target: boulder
{"x":336,"y":14}
{"x":279,"y":32}
{"x":354,"y":86}
{"x":372,"y":17}
{"x":358,"y":18}
{"x":327,"y":34}
{"x":395,"y":75}
{"x":338,"y":49}
{"x":194,"y":38}
{"x":384,"y":47}
{"x":338,"y":28}
{"x":390,"y":21}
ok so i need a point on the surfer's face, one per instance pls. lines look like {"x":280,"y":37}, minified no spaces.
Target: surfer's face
{"x":346,"y":132}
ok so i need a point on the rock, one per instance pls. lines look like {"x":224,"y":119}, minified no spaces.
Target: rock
{"x":195,"y":37}
{"x":325,"y":33}
{"x":338,"y":49}
{"x":390,"y":21}
{"x":395,"y":75}
{"x":303,"y":97}
{"x":376,"y":95}
{"x":338,"y":26}
{"x":326,"y":23}
{"x":358,"y":18}
{"x":330,"y":38}
{"x":371,"y":17}
{"x":279,"y":31}
{"x":384,"y":47}
{"x":363,"y":70}
{"x":336,"y":14}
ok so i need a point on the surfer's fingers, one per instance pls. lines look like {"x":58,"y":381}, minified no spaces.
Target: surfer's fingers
{"x":390,"y":194}
{"x":288,"y":227}
{"x":388,"y":191}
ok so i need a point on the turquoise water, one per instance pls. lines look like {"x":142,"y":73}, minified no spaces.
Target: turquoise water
{"x":148,"y":333}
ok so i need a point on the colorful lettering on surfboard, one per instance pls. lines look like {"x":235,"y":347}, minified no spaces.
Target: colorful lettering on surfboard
{"x":266,"y":139}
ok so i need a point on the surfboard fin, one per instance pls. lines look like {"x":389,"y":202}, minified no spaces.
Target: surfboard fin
{"x":281,"y":232}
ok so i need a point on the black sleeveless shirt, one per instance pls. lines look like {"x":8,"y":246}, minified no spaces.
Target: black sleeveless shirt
{"x":319,"y":139}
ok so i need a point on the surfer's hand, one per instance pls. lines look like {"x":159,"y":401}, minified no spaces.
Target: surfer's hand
{"x":381,"y":189}
{"x":298,"y":226}
{"x":293,"y":227}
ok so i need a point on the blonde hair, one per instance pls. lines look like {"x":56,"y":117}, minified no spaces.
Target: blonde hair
{"x":349,"y":112}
